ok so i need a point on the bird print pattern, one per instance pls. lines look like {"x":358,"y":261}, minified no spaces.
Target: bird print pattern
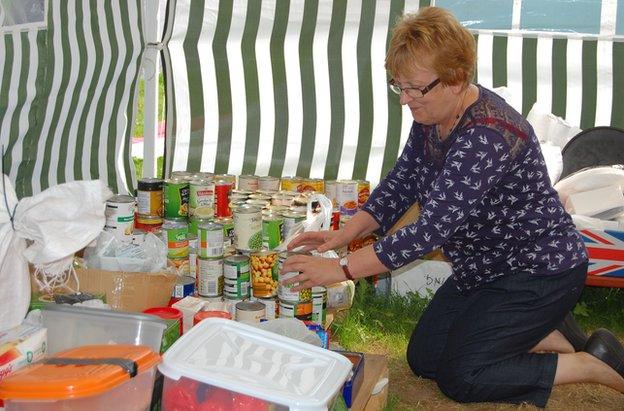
{"x":486,"y":200}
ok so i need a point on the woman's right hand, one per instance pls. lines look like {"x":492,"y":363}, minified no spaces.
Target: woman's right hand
{"x":320,"y":241}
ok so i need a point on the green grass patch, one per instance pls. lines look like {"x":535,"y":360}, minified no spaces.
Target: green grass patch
{"x":139,"y":124}
{"x":601,"y":307}
{"x":138,"y":166}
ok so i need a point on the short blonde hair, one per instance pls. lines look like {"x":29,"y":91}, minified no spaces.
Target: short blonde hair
{"x":432,"y":39}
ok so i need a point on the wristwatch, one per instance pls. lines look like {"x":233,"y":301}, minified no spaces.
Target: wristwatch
{"x":344,"y":264}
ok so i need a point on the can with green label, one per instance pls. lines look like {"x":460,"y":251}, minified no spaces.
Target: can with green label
{"x":195,"y":222}
{"x":176,"y":198}
{"x":175,"y":235}
{"x":236,"y":277}
{"x":272,"y":230}
{"x":319,"y":305}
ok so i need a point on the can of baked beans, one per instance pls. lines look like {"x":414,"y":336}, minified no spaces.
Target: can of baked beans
{"x":222,"y":198}
{"x":268,"y":183}
{"x":150,"y":197}
{"x":347,"y":196}
{"x":247,"y":182}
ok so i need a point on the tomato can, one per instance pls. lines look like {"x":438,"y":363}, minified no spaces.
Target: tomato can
{"x":264,"y":275}
{"x":175,"y":198}
{"x":363,"y":192}
{"x":236,"y":277}
{"x":148,"y":223}
{"x":222,"y":192}
{"x":210,"y":237}
{"x":272,"y":230}
{"x":209,"y":277}
{"x":284,"y":291}
{"x":250,"y":311}
{"x":201,"y":197}
{"x":330,"y":191}
{"x":347,"y":196}
{"x":120,"y":217}
{"x":247,"y":182}
{"x":319,"y":305}
{"x":150,"y":197}
{"x":248,"y":228}
{"x":301,"y":310}
{"x":268,"y":183}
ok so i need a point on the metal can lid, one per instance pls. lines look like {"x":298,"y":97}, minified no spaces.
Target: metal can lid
{"x":263,"y":252}
{"x":250,"y":306}
{"x":150,"y":184}
{"x":238,"y":258}
{"x":176,"y":180}
{"x":174,"y":223}
{"x":210,"y":226}
{"x":247,"y":209}
{"x":120,"y":198}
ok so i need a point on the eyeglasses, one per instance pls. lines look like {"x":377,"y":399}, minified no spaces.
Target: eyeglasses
{"x":413,"y":92}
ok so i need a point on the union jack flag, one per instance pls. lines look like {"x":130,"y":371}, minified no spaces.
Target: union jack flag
{"x":606,"y":252}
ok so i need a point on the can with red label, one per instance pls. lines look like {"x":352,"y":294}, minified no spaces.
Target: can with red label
{"x":201,"y":197}
{"x":335,"y":220}
{"x":222,"y":190}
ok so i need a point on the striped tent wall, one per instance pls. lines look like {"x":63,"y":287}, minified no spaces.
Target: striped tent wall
{"x":300,"y":89}
{"x":281,"y":88}
{"x":68,"y":95}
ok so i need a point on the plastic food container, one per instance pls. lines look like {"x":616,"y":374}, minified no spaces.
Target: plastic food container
{"x":223,"y":363}
{"x":70,"y":327}
{"x":354,"y":382}
{"x":93,"y":377}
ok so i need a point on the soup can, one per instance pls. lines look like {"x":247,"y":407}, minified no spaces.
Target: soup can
{"x":250,"y":311}
{"x":119,"y":214}
{"x":264,"y":275}
{"x":363,"y":192}
{"x":247,"y":182}
{"x":209,"y":277}
{"x":236,"y":277}
{"x":347,"y":196}
{"x":150,"y":197}
{"x":268,"y":183}
{"x":319,"y":305}
{"x":300,"y":310}
{"x":201,"y":197}
{"x":175,"y":235}
{"x":272,"y":230}
{"x":210,"y":237}
{"x":291,"y":218}
{"x":248,"y":228}
{"x":222,"y":191}
{"x":175,"y":198}
{"x":272,"y":307}
{"x":284,"y":291}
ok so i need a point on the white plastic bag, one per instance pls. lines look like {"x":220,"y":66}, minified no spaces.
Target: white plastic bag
{"x":57,"y":222}
{"x":111,"y":254}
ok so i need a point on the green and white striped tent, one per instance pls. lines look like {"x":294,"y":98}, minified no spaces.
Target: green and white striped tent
{"x":277,"y":87}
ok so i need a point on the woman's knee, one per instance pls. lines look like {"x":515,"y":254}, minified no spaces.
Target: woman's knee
{"x":456,"y":385}
{"x":422,"y":362}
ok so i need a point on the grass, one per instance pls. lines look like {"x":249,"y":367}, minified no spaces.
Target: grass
{"x":140,"y":118}
{"x":138,"y":166}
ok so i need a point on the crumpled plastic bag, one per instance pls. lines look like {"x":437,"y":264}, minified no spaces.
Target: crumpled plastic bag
{"x":111,"y":254}
{"x":56,"y":222}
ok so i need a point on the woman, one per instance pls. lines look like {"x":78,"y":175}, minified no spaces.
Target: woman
{"x":474,"y":165}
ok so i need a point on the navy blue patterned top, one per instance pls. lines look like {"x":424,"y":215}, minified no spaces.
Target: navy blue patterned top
{"x":486,"y":200}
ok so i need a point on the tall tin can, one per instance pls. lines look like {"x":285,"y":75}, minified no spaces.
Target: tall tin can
{"x":210,"y":240}
{"x":319,"y":305}
{"x":228,"y":231}
{"x":248,"y":228}
{"x":120,"y":217}
{"x":268,"y":183}
{"x":222,"y":191}
{"x":347,"y":196}
{"x":175,"y":235}
{"x":201,"y":197}
{"x":363,"y":192}
{"x":236,"y":277}
{"x":247,"y":182}
{"x":284,"y":292}
{"x":272,"y":230}
{"x":264,"y":273}
{"x":150,"y":197}
{"x":330,"y":192}
{"x":231,"y":178}
{"x":210,"y":277}
{"x":175,"y":198}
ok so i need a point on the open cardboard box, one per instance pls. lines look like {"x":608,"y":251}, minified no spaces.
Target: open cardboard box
{"x":125,"y":291}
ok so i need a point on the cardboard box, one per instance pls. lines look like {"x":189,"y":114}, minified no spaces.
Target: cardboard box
{"x":606,"y":257}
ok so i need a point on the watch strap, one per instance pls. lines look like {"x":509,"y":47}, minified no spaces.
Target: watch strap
{"x":345,"y":268}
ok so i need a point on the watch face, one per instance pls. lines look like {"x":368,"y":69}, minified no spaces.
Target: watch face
{"x":344,"y":261}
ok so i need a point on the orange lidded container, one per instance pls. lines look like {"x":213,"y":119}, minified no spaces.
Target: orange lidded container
{"x":91,"y":377}
{"x":202,"y":315}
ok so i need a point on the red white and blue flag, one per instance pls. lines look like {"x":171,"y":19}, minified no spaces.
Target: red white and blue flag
{"x":606,"y":252}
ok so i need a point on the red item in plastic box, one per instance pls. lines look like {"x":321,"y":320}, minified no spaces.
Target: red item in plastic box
{"x":166,"y":313}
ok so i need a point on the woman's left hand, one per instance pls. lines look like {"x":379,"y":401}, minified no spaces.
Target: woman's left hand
{"x":313,"y":271}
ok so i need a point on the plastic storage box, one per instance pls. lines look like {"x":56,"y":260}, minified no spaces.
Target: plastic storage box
{"x":93,"y":378}
{"x":70,"y":327}
{"x":222,"y":363}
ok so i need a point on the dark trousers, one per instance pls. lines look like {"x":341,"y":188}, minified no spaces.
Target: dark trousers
{"x":475,"y":344}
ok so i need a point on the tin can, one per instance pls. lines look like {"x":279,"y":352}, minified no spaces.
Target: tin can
{"x":271,"y":307}
{"x":290,"y":219}
{"x":228,"y":230}
{"x":268,"y":183}
{"x":264,"y":275}
{"x":250,"y":311}
{"x":363,"y":192}
{"x":183,"y":175}
{"x":330,"y":192}
{"x":193,"y":249}
{"x":284,"y":291}
{"x":335,"y":220}
{"x":347,"y":196}
{"x":150,"y":197}
{"x":247,"y":182}
{"x":148,"y":223}
{"x":120,"y":217}
{"x":236,"y":277}
{"x":281,"y":199}
{"x":235,"y":204}
{"x":222,"y":191}
{"x":176,"y":196}
{"x":262,"y":204}
{"x":201,"y":197}
{"x":301,"y":310}
{"x":210,"y":240}
{"x":209,"y":277}
{"x":184,"y":287}
{"x":319,"y":305}
{"x":175,"y":235}
{"x":248,"y":228}
{"x":231,"y":178}
{"x":290,"y":183}
{"x":196,"y":221}
{"x":272,"y":230}
{"x":311,"y":184}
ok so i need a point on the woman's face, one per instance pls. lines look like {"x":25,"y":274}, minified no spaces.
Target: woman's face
{"x":436,"y":106}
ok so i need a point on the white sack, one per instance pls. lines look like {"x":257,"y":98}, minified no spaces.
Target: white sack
{"x":554,"y":161}
{"x":59,"y":221}
{"x":590,"y":179}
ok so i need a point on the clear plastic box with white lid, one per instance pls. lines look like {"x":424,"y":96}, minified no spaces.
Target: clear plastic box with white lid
{"x":235,"y":365}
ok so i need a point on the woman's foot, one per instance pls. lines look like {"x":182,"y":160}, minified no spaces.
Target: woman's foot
{"x":607,"y":348}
